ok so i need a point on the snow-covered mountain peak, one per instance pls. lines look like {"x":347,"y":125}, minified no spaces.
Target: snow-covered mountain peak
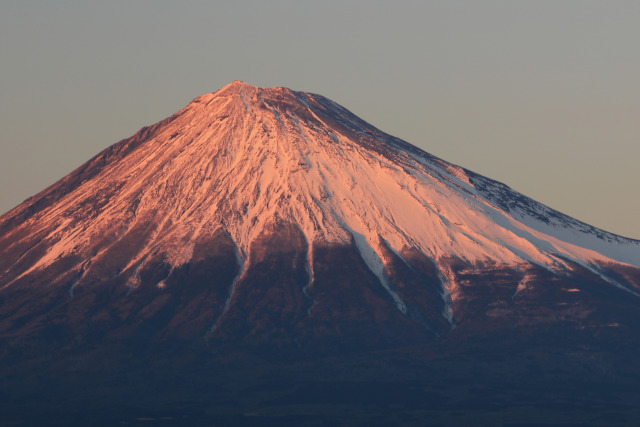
{"x":269,"y":238}
{"x":245,"y":158}
{"x":250,"y":94}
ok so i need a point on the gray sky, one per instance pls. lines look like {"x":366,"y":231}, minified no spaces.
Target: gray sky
{"x":541,"y":95}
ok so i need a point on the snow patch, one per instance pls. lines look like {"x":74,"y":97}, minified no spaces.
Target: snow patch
{"x":447,"y":278}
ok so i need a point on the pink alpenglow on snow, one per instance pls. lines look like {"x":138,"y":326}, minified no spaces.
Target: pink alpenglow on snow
{"x":244,"y":158}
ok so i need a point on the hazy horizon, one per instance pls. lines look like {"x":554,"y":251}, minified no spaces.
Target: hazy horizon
{"x":541,"y":95}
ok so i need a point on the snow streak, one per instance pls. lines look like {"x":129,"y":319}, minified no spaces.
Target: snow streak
{"x":243,"y":264}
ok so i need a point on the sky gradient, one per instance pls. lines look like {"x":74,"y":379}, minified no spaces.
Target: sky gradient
{"x":542,"y":95}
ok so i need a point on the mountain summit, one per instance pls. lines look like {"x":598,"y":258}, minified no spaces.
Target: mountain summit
{"x":289,"y":198}
{"x":265,"y":218}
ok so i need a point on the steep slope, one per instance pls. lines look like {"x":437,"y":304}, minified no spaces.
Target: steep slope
{"x":269,"y":214}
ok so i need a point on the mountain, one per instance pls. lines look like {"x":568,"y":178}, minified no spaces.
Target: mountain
{"x":267,"y":229}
